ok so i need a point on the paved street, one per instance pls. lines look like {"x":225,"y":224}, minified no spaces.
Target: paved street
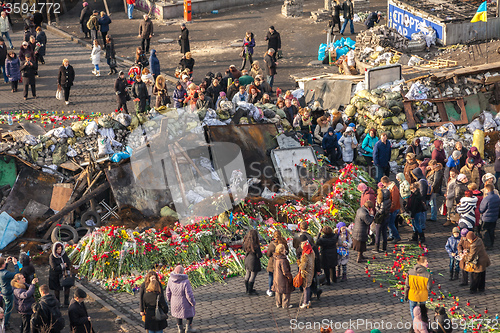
{"x":225,"y":307}
{"x":89,"y":93}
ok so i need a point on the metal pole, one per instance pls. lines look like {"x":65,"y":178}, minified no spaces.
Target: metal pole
{"x":106,"y":5}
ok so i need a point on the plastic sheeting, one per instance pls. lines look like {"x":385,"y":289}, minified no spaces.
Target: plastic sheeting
{"x":10,"y":229}
{"x":329,"y":93}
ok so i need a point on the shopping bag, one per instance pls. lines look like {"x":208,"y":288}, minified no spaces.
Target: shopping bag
{"x":443,"y":210}
{"x":59,"y":94}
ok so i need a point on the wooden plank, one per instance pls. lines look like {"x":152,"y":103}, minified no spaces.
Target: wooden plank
{"x":409,"y":114}
{"x":14,"y":135}
{"x":467,"y":71}
{"x":491,"y":79}
{"x":69,"y":166}
{"x":411,"y":120}
{"x":60,"y":195}
{"x":33,"y":129}
{"x":186,"y":156}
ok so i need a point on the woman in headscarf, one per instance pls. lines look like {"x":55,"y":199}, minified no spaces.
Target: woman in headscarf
{"x":306,"y":266}
{"x":416,"y":149}
{"x":478,"y":161}
{"x":181,"y":298}
{"x":476,"y":262}
{"x":438,"y":153}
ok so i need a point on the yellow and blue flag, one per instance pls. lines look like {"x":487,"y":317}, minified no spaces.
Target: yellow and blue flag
{"x":481,"y":14}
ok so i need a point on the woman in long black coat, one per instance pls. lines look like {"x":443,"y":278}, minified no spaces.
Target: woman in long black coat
{"x":121,"y":92}
{"x":65,"y":78}
{"x":152,"y":297}
{"x":362,"y":221}
{"x":251,"y":246}
{"x":184,"y":39}
{"x":41,"y":38}
{"x":79,"y":320}
{"x":327,"y":243}
{"x":59,"y":263}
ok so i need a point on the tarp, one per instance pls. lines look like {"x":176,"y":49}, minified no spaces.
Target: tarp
{"x":10,"y":229}
{"x":8,"y":173}
{"x":329,"y":93}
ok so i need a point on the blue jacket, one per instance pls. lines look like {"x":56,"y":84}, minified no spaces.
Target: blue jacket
{"x":382,"y":154}
{"x":452,"y":244}
{"x":490,"y":207}
{"x":13,"y":69}
{"x":330,"y":142}
{"x":25,"y":299}
{"x":178,"y":94}
{"x":5,"y":278}
{"x":154,"y":63}
{"x":452,"y":163}
{"x":104,"y":23}
{"x":368,"y":144}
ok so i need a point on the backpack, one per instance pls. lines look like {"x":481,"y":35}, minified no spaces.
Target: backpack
{"x":427,"y":195}
{"x":55,"y":317}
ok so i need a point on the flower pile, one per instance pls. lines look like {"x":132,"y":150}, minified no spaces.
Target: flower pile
{"x":210,"y":249}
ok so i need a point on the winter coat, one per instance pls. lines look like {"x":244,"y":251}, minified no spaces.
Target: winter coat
{"x":461,"y":247}
{"x":130,"y":2}
{"x":154,"y":63}
{"x":497,"y":156}
{"x":149,"y":81}
{"x":409,"y":167}
{"x":452,"y":163}
{"x":306,"y":266}
{"x":478,"y":251}
{"x":96,"y":55}
{"x":452,"y":245}
{"x":231,"y":91}
{"x":439,"y":156}
{"x":419,"y":326}
{"x":249,"y":45}
{"x":382,"y":154}
{"x":78,"y":318}
{"x":435,"y":178}
{"x":344,"y":238}
{"x":42,"y":313}
{"x":4,"y":24}
{"x":180,"y":296}
{"x":184,"y":41}
{"x":490,"y":207}
{"x":298,"y":248}
{"x":270,"y":65}
{"x":477,"y":213}
{"x":25,"y":298}
{"x":66,"y":76}
{"x":252,"y":261}
{"x":371,"y":20}
{"x":467,"y":209}
{"x":149,"y":300}
{"x":362,"y":223}
{"x":245,"y":80}
{"x":12,"y":69}
{"x":41,"y":38}
{"x":346,"y":143}
{"x":110,"y":50}
{"x":384,"y":207}
{"x":56,"y":269}
{"x":348,"y":8}
{"x":415,"y":204}
{"x":273,"y":40}
{"x":24,"y":51}
{"x":214,"y":91}
{"x":423,"y":184}
{"x":28,"y":71}
{"x":395,"y":198}
{"x":139,"y":90}
{"x":93,"y":23}
{"x":85,"y":15}
{"x":161,"y":96}
{"x":472,"y":175}
{"x":291,"y":112}
{"x":187,"y":63}
{"x":368,"y":145}
{"x":146,"y":29}
{"x":319,"y":133}
{"x":271,"y":255}
{"x":121,"y":90}
{"x":104,"y":22}
{"x":444,"y":325}
{"x":418,"y":284}
{"x":3,"y":54}
{"x":330,"y":143}
{"x":327,"y":245}
{"x":460,"y":189}
{"x":368,"y":194}
{"x":450,"y":193}
{"x":179,"y":94}
{"x":28,"y":270}
{"x":282,"y":276}
{"x":240,"y":98}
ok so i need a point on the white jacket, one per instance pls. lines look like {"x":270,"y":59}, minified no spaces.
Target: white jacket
{"x":4,"y":24}
{"x":96,"y":55}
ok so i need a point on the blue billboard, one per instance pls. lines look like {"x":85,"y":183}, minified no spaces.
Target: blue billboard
{"x":407,"y":24}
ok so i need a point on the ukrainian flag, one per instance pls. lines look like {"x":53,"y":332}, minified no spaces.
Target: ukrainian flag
{"x":481,"y":14}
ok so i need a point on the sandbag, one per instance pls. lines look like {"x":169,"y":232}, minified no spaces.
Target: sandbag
{"x":364,"y":94}
{"x":78,"y":128}
{"x":398,"y":132}
{"x":376,"y":100}
{"x":387,"y":121}
{"x":350,"y":110}
{"x":478,"y":141}
{"x":167,"y":211}
{"x":142,"y":117}
{"x":392,"y":96}
{"x":59,"y":155}
{"x":91,"y":128}
{"x":383,"y":112}
{"x":377,"y":92}
{"x":134,"y":123}
{"x":104,"y":146}
{"x":394,"y":154}
{"x":425,"y":132}
{"x":355,"y":99}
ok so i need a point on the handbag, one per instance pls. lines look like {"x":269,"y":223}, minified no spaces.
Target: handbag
{"x":159,"y":314}
{"x":242,"y":53}
{"x":298,"y":280}
{"x":112,"y":62}
{"x":127,"y":96}
{"x":443,"y":210}
{"x":279,"y":54}
{"x":59,"y":94}
{"x":471,"y":265}
{"x":67,"y":281}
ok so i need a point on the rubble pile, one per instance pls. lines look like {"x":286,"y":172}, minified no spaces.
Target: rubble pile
{"x":381,"y":36}
{"x":292,"y":8}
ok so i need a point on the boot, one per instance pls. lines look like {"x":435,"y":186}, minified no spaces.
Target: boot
{"x":422,"y":237}
{"x":66,"y":298}
{"x":384,"y":246}
{"x":110,"y":72}
{"x":251,"y":291}
{"x":414,"y":237}
{"x":344,"y":277}
{"x":179,"y":328}
{"x":334,"y":275}
{"x":360,"y":258}
{"x":189,"y":329}
{"x":372,"y":239}
{"x":456,"y":275}
{"x":246,"y":287}
{"x":338,"y":272}
{"x":452,"y":275}
{"x":376,"y":249}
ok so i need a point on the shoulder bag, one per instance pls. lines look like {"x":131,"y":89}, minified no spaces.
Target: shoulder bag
{"x":298,"y":280}
{"x":159,"y":314}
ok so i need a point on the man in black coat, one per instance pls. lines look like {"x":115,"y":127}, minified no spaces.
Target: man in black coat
{"x":146,"y":32}
{"x":184,"y":39}
{"x":65,"y":79}
{"x":3,"y":56}
{"x":140,"y":93}
{"x":348,"y":16}
{"x":273,"y":40}
{"x":121,"y":92}
{"x":79,"y":320}
{"x":28,"y":70}
{"x":46,"y":313}
{"x":85,"y":15}
{"x":271,"y":63}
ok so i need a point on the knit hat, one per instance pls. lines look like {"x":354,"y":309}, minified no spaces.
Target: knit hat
{"x":221,"y":94}
{"x":121,"y":73}
{"x":85,"y":4}
{"x":488,"y":176}
{"x":464,"y":232}
{"x":471,"y":236}
{"x":456,"y":155}
{"x":380,"y":185}
{"x":349,"y":129}
{"x":80,"y":293}
{"x":362,"y":187}
{"x":461,"y":177}
{"x":455,"y":230}
{"x":437,"y":143}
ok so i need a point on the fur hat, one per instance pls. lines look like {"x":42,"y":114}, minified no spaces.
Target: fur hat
{"x":488,"y":176}
{"x":471,"y":236}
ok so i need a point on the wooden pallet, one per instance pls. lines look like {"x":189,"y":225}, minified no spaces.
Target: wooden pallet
{"x":14,"y":135}
{"x":440,"y":63}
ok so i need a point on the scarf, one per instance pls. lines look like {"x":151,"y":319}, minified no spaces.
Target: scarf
{"x":307,"y":249}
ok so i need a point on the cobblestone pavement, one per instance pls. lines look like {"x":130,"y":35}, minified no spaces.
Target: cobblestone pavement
{"x":225,"y":307}
{"x":89,"y":93}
